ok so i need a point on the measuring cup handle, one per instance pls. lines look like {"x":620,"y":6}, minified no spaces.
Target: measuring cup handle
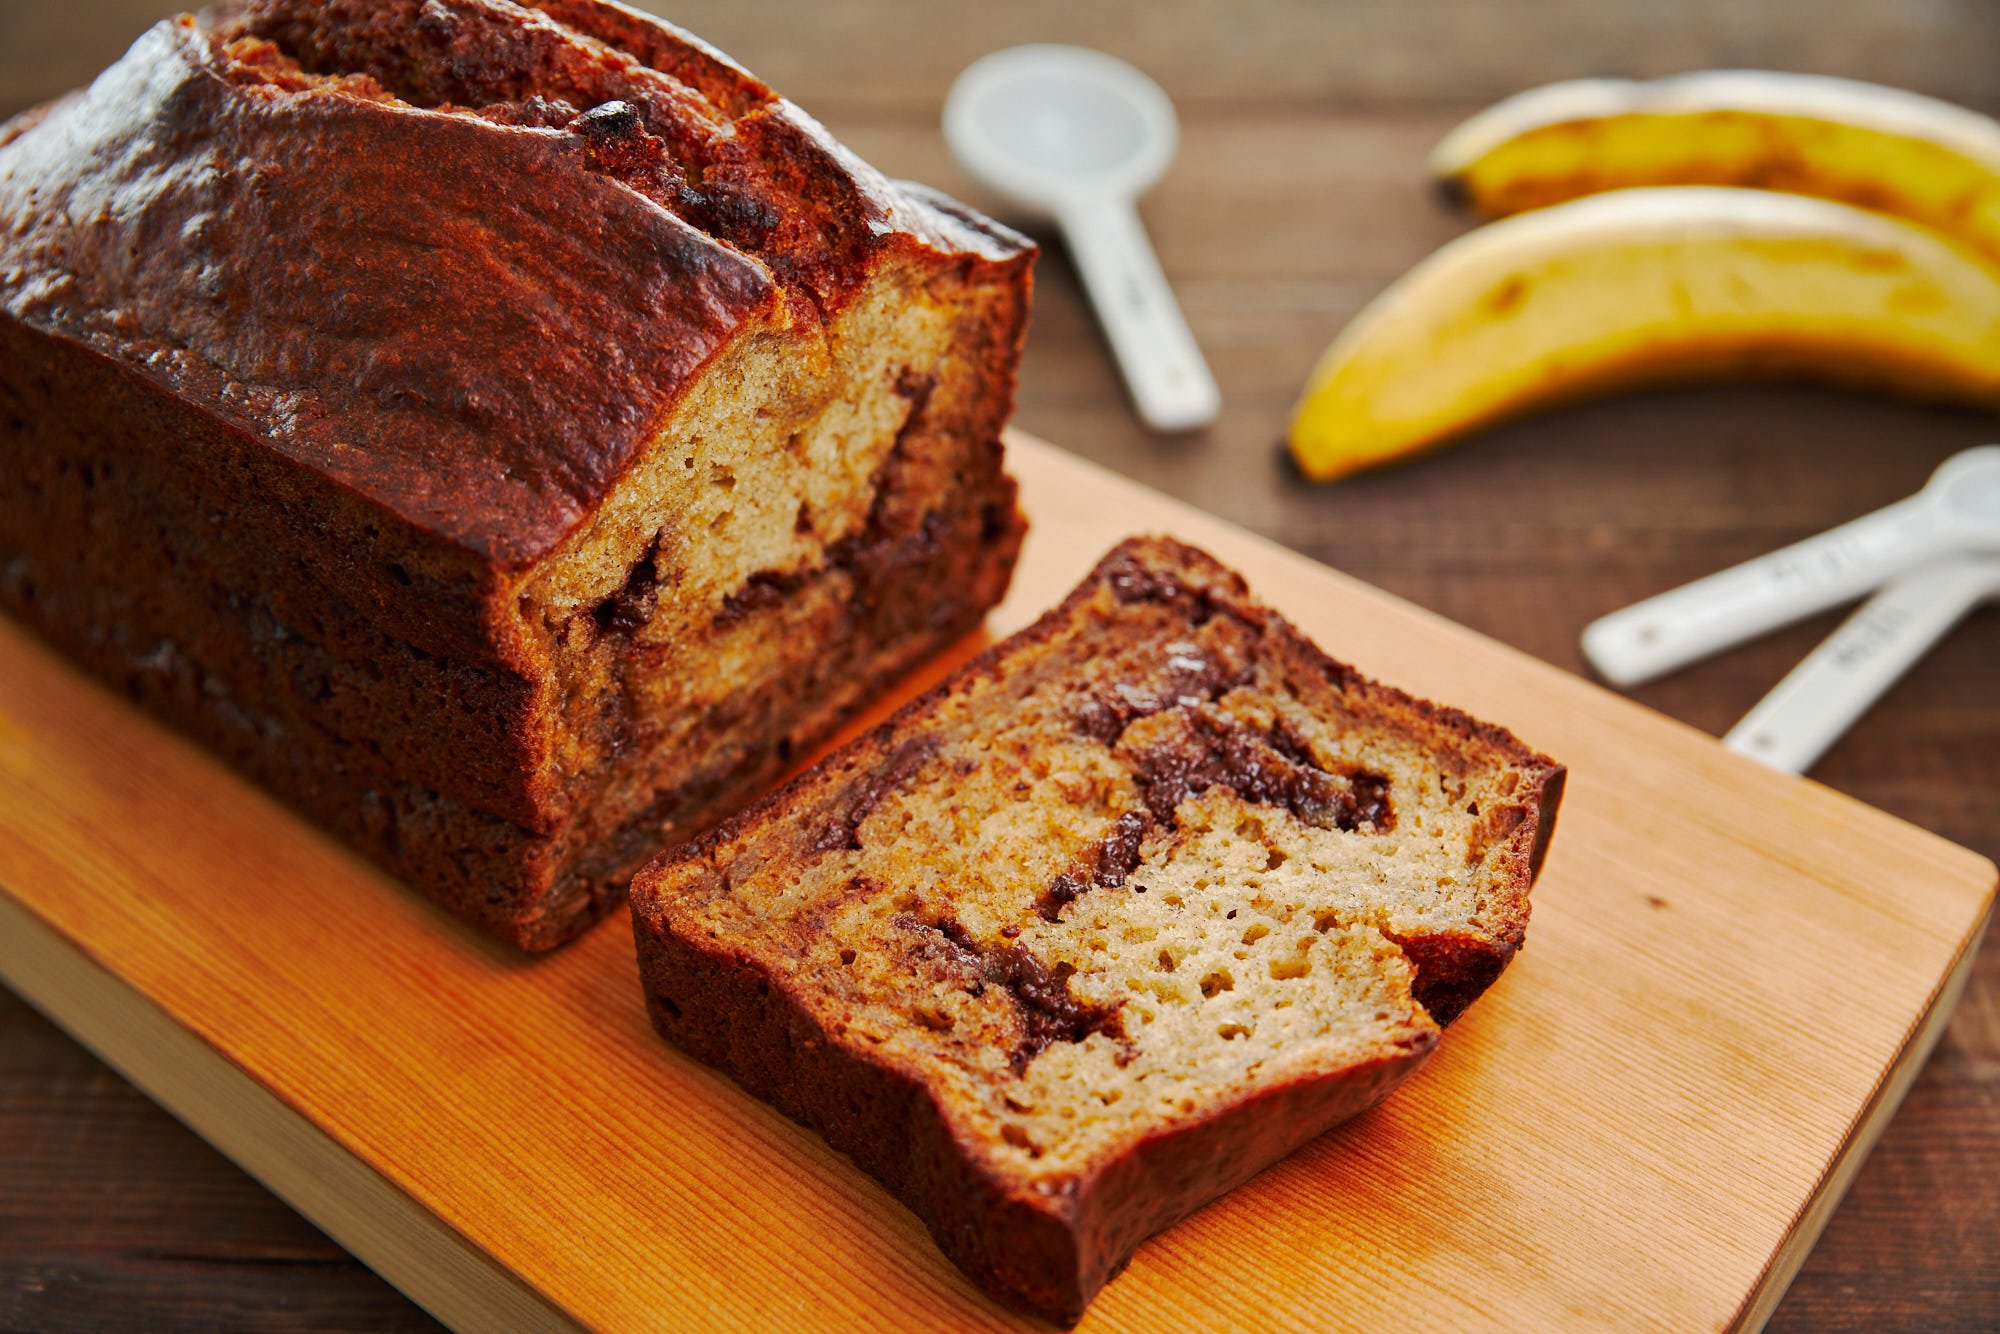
{"x":1170,"y":383}
{"x":1823,"y":696}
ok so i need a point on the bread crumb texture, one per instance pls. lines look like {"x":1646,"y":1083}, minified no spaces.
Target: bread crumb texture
{"x":1147,"y":861}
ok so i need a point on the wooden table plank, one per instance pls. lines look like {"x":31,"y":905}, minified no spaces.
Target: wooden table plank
{"x":899,"y":54}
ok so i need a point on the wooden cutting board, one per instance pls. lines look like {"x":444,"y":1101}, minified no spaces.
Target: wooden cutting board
{"x":1731,"y":978}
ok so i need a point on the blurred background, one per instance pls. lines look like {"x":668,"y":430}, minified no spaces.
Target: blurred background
{"x":1299,"y":192}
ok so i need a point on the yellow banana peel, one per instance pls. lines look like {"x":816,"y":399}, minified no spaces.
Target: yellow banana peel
{"x":1859,"y":143}
{"x":1646,"y":285}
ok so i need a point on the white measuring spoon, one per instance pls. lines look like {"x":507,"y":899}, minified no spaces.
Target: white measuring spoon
{"x":1957,"y":511}
{"x":1828,"y":692}
{"x":1078,"y":136}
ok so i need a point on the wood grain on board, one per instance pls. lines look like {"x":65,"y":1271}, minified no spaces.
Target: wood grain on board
{"x":1726,"y":967}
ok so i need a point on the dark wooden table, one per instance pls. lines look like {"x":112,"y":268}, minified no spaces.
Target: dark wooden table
{"x":1299,"y":192}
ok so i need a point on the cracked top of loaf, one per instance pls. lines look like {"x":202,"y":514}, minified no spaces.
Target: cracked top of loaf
{"x":459,"y":257}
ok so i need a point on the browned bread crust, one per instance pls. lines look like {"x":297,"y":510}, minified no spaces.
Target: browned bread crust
{"x":510,"y":431}
{"x":1134,"y":905}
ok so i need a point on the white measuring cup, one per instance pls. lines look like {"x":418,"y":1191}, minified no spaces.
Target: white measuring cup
{"x":1077,"y":136}
{"x":1823,"y":696}
{"x":1957,"y":512}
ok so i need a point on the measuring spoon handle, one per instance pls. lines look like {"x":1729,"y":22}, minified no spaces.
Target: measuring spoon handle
{"x":1826,"y":694}
{"x":1652,"y":638}
{"x":1163,"y":367}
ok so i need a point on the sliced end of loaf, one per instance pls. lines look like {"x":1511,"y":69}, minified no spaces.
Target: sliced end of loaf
{"x":626,"y":458}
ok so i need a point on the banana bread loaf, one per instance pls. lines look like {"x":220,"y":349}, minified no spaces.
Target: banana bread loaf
{"x":510,"y":432}
{"x":1133,"y":906}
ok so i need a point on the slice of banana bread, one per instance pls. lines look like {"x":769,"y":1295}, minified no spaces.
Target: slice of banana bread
{"x":1134,"y":905}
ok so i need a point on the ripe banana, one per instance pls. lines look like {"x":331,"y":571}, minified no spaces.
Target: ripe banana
{"x":1860,"y":143}
{"x":1640,"y":286}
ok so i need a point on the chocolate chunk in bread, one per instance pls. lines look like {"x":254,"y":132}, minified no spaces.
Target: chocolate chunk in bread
{"x":511,"y":432}
{"x":1135,"y":904}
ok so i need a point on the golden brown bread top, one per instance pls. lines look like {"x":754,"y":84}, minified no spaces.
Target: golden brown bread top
{"x":458,"y":256}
